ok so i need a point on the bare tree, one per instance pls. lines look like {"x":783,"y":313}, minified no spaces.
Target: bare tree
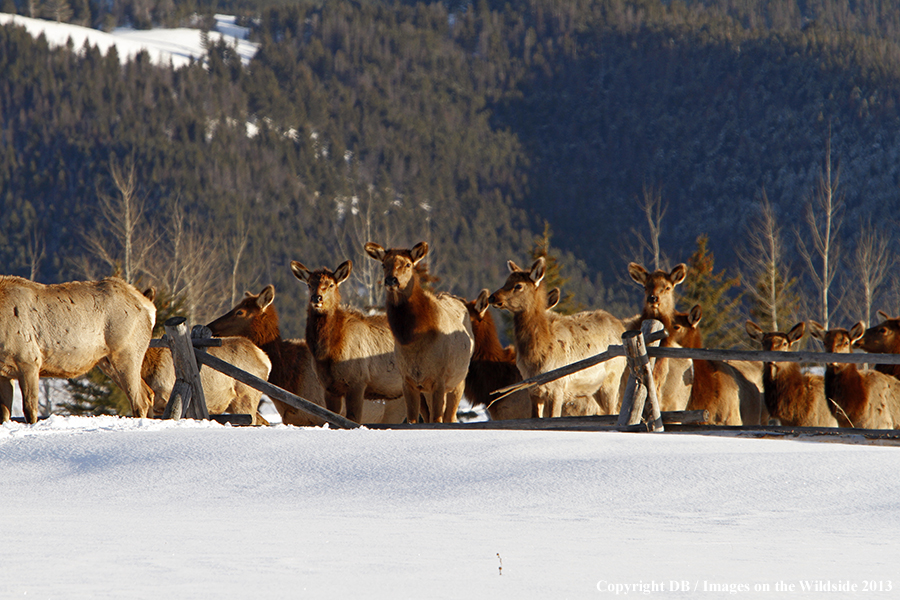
{"x":872,"y":261}
{"x":770,"y":291}
{"x":823,"y":216}
{"x":654,"y":210}
{"x":35,"y":251}
{"x":125,"y":241}
{"x":235,"y":246}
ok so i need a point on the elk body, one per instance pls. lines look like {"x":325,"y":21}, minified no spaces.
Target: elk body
{"x":883,"y":338}
{"x":793,"y":397}
{"x":353,"y":353}
{"x":64,"y":330}
{"x":545,"y":341}
{"x":433,"y":335}
{"x":293,"y":367}
{"x":857,"y":398}
{"x":223,"y":393}
{"x":493,"y":367}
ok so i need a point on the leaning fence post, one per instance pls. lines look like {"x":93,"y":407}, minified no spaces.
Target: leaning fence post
{"x":641,"y":386}
{"x":188,"y":391}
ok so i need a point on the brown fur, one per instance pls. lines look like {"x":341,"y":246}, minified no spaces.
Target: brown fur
{"x":546,"y":341}
{"x":659,"y":292}
{"x":857,"y":398}
{"x":492,"y":367}
{"x":883,"y":338}
{"x":223,"y":393}
{"x":433,"y":334}
{"x":64,"y":330}
{"x":354,"y":353}
{"x":793,"y":397}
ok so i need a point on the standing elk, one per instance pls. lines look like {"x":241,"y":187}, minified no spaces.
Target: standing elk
{"x":857,"y":398}
{"x":883,"y":338}
{"x":353,"y":353}
{"x":545,"y":341}
{"x":433,"y":335}
{"x":293,"y":367}
{"x":65,"y":329}
{"x":792,"y":397}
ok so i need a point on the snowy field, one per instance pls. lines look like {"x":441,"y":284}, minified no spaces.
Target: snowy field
{"x":175,"y":46}
{"x":109,"y":507}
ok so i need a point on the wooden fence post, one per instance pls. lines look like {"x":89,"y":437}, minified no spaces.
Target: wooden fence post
{"x":187,"y":399}
{"x":641,"y":386}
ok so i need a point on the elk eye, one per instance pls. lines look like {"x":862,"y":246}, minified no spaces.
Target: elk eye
{"x":240,"y":313}
{"x":518,"y":287}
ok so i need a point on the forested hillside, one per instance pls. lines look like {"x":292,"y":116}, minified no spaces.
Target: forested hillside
{"x":466,"y":125}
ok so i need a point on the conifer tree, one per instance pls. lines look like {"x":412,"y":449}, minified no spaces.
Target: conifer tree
{"x":715,"y":294}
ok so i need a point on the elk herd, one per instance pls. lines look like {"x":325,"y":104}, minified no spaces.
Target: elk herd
{"x":418,"y":358}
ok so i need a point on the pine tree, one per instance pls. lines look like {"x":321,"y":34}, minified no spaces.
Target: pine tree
{"x":553,"y":277}
{"x":714,"y":293}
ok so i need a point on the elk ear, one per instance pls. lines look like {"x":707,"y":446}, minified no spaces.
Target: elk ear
{"x":678,"y":274}
{"x":481,"y":302}
{"x":638,"y":273}
{"x":419,"y":251}
{"x":857,"y":331}
{"x":266,"y":296}
{"x":796,"y":332}
{"x":817,"y":330}
{"x":538,"y":270}
{"x":343,"y":272}
{"x":883,"y":315}
{"x":150,"y":294}
{"x":300,"y":272}
{"x":754,"y":331}
{"x":553,"y":297}
{"x":695,"y":315}
{"x":375,"y":251}
{"x":513,"y":267}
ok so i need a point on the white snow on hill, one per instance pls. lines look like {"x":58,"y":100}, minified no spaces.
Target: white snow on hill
{"x":176,"y":46}
{"x":122,"y":508}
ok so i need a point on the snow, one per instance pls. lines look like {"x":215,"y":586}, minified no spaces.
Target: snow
{"x":176,"y":46}
{"x":110,"y":507}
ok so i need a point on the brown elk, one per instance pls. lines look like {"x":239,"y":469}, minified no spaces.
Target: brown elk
{"x":433,"y":335}
{"x":883,"y":338}
{"x":354,"y":353}
{"x":545,"y":341}
{"x":492,"y":366}
{"x":659,"y":292}
{"x":64,"y":330}
{"x":857,"y":398}
{"x":792,"y":397}
{"x":293,"y":367}
{"x":223,"y":393}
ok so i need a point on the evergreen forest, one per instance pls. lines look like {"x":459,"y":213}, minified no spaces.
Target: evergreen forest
{"x":757,"y":140}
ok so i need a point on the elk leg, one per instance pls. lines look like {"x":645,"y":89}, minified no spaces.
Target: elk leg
{"x":29,"y":377}
{"x":355,"y":398}
{"x":413,"y":399}
{"x":453,"y":398}
{"x":438,"y":402}
{"x":556,"y":404}
{"x":6,"y":399}
{"x":334,"y":402}
{"x":125,"y":370}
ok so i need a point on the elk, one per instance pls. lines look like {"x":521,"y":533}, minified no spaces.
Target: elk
{"x":223,"y":393}
{"x":857,"y":398}
{"x":659,"y":293}
{"x":65,"y":329}
{"x":545,"y":341}
{"x":792,"y":397}
{"x":883,"y":338}
{"x":293,"y":368}
{"x":492,"y":366}
{"x":353,"y":353}
{"x":433,"y":335}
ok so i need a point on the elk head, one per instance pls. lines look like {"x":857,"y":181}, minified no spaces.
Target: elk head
{"x":685,"y":332}
{"x":883,"y":338}
{"x":243,"y":319}
{"x":399,"y":264}
{"x":837,"y":341}
{"x":659,"y":290}
{"x":324,"y":295}
{"x":522,"y":291}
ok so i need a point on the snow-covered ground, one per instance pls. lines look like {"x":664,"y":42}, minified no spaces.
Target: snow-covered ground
{"x":178,"y":46}
{"x":110,"y":507}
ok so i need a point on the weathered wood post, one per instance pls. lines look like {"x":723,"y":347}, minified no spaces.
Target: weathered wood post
{"x":641,"y":386}
{"x":187,"y":399}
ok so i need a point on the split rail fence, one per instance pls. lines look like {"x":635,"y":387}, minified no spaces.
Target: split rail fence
{"x":640,"y":406}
